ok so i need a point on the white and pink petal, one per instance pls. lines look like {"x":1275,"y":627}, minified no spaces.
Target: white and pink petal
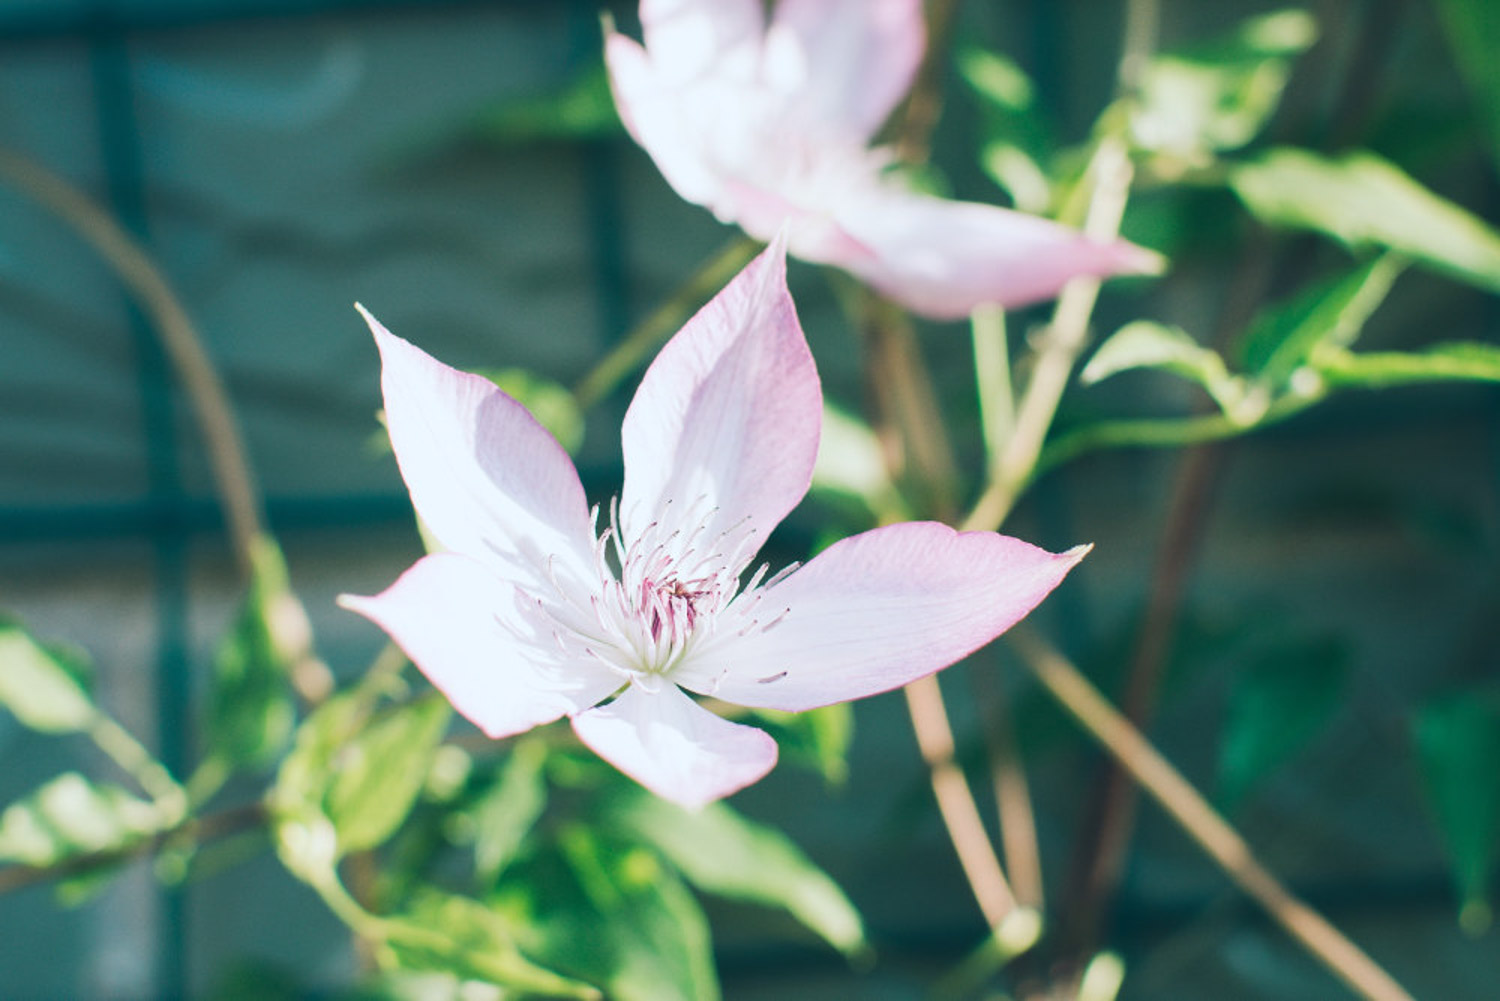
{"x":942,"y":258}
{"x":458,"y":622}
{"x":487,"y":480}
{"x":721,"y":437}
{"x":844,"y":65}
{"x":689,"y":39}
{"x":674,"y":747}
{"x":871,"y":613}
{"x":660,"y":117}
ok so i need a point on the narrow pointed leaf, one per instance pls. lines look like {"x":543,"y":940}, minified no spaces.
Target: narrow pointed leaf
{"x":747,"y":861}
{"x":1279,"y":703}
{"x":1458,"y":750}
{"x":1281,"y":339}
{"x":1365,"y":201}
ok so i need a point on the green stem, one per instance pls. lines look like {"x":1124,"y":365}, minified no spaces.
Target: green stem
{"x":124,"y":750}
{"x":997,"y":403}
{"x":626,"y":356}
{"x":1064,"y":340}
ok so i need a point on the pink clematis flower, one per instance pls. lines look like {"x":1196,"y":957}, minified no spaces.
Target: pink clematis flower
{"x":531,"y":614}
{"x":770,"y":124}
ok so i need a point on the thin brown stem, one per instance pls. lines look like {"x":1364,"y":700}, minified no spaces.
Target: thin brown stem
{"x":1100,"y":856}
{"x":1018,"y":837}
{"x":924,"y":700}
{"x":234,"y":484}
{"x":1200,"y":821}
{"x":148,"y":286}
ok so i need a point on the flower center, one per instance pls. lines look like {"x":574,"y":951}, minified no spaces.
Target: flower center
{"x":669,"y":608}
{"x":663,"y":594}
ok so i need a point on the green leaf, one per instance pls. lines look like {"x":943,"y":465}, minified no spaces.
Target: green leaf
{"x":1473,"y":29}
{"x":508,"y":810}
{"x":1281,"y":339}
{"x":251,"y":706}
{"x":1365,"y":201}
{"x":1279,"y":703}
{"x":1146,"y":344}
{"x":351,"y":776}
{"x":609,"y":912}
{"x":378,"y":775}
{"x":1017,"y":142}
{"x":1457,"y":741}
{"x":549,"y":402}
{"x":462,"y":937}
{"x":37,"y":687}
{"x":72,"y":816}
{"x":1467,"y":361}
{"x":725,"y":853}
{"x":818,"y":737}
{"x":851,"y":463}
{"x":1192,"y":104}
{"x":583,"y":109}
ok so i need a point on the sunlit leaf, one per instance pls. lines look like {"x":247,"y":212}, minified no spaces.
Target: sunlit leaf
{"x":1192,"y":104}
{"x":38,"y":688}
{"x":70,"y":816}
{"x":334,"y":770}
{"x":1473,"y":29}
{"x":1465,"y":361}
{"x":850,"y":462}
{"x":1282,"y":338}
{"x":1146,"y":344}
{"x":549,"y":402}
{"x":507,"y":811}
{"x":583,"y":109}
{"x":1279,"y":703}
{"x":609,"y":912}
{"x":1458,"y":749}
{"x":378,"y":775}
{"x":725,"y":853}
{"x":1365,"y":201}
{"x":464,"y":938}
{"x":251,"y":707}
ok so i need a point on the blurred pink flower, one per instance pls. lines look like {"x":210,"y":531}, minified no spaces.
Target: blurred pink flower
{"x":528,"y":616}
{"x":771,"y":123}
